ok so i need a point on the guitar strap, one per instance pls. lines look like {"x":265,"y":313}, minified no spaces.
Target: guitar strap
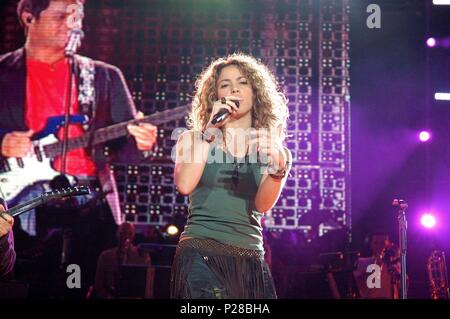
{"x":86,"y":88}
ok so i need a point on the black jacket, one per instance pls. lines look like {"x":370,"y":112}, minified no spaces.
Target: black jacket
{"x":113,"y":104}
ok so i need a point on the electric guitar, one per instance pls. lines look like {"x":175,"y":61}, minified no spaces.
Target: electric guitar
{"x":46,"y":197}
{"x":21,"y":173}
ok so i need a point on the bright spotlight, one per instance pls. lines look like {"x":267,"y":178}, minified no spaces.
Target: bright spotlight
{"x":431,"y":42}
{"x":441,"y":2}
{"x":428,"y":221}
{"x":442,"y":96}
{"x":424,"y":136}
{"x":172,"y":230}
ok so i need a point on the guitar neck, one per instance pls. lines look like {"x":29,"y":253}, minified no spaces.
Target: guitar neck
{"x":114,"y":131}
{"x":24,"y":207}
{"x":48,"y":196}
{"x":91,"y":138}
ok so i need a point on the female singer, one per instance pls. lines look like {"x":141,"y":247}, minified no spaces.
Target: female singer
{"x":233,"y":166}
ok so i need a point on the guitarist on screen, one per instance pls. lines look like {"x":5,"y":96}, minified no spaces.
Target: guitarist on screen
{"x":33,"y":90}
{"x":33,"y":93}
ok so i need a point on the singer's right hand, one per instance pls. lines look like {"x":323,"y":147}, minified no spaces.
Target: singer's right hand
{"x":6,"y":222}
{"x":17,"y":144}
{"x":230,"y":106}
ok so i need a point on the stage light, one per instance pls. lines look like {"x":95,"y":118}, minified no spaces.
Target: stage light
{"x":431,"y":42}
{"x":172,"y":230}
{"x":424,"y":136}
{"x":441,"y":2}
{"x":443,"y":42}
{"x":428,"y":221}
{"x":441,"y":96}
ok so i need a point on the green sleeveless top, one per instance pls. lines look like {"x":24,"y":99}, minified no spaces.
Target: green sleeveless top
{"x":222,"y":206}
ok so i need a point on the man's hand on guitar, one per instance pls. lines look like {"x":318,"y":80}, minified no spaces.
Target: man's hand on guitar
{"x":144,"y":133}
{"x":17,"y":144}
{"x":6,"y":222}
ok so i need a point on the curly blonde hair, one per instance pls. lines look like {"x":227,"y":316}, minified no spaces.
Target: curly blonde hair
{"x":269,"y":106}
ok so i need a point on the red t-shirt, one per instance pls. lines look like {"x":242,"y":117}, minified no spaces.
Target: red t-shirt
{"x":46,"y":97}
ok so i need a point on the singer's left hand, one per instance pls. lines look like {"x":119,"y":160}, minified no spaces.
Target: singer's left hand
{"x":6,"y":222}
{"x":144,"y":133}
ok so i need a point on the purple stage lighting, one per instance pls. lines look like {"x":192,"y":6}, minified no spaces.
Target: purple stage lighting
{"x":424,"y":136}
{"x":431,"y":42}
{"x":428,"y":220}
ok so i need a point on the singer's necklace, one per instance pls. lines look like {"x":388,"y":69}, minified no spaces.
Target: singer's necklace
{"x":237,"y":165}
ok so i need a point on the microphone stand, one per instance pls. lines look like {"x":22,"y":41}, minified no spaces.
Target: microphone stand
{"x":65,"y":141}
{"x":73,"y":44}
{"x":402,"y":232}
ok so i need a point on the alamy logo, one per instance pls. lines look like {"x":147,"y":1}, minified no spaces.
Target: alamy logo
{"x":374,"y":19}
{"x":374,"y":279}
{"x":74,"y":279}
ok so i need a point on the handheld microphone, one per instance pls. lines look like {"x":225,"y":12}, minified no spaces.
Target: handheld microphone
{"x":222,"y":114}
{"x":74,"y":42}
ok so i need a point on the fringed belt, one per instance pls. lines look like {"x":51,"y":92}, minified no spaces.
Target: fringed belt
{"x":212,"y":247}
{"x":243,"y":272}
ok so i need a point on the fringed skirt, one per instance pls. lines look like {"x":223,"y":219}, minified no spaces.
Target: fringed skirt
{"x":207,"y":269}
